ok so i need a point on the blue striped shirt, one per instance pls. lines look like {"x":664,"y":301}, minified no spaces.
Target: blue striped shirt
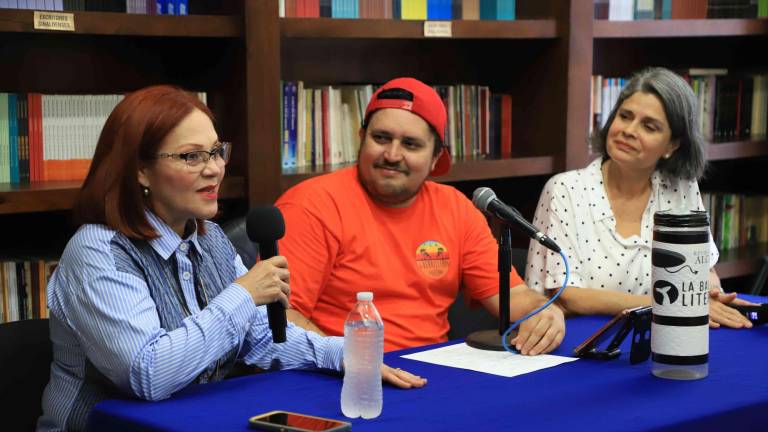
{"x":107,"y":317}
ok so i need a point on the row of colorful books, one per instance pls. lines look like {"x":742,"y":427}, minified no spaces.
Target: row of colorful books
{"x":23,"y":289}
{"x":737,"y":220}
{"x":320,"y":124}
{"x":401,"y":9}
{"x":148,"y":7}
{"x":629,"y":10}
{"x":51,"y":137}
{"x":732,"y":107}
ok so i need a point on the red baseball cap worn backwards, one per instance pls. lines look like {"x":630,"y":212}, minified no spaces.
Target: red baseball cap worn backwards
{"x":422,"y":101}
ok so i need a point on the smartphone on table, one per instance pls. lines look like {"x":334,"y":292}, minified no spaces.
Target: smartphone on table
{"x":284,"y":421}
{"x":617,"y":329}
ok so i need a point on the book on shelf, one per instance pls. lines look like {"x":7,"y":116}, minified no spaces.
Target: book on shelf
{"x":146,"y":7}
{"x":320,"y":123}
{"x":629,"y":10}
{"x":732,"y":8}
{"x":23,"y":293}
{"x":419,"y":10}
{"x":737,"y":220}
{"x":51,"y":137}
{"x":604,"y":94}
{"x":689,"y":9}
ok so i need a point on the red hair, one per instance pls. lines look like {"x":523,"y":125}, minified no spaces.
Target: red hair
{"x":111,"y":194}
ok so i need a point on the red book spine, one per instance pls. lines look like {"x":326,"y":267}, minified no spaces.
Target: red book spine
{"x":506,"y":126}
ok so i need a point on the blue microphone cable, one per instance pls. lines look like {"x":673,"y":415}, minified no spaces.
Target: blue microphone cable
{"x":542,"y":307}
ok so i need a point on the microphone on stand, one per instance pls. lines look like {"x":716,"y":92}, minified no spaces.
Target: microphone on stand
{"x":484,"y":199}
{"x":265,"y":226}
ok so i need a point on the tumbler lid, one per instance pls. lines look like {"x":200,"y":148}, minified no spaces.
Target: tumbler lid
{"x":681,"y":218}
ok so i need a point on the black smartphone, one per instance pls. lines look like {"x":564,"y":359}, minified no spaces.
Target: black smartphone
{"x":284,"y":421}
{"x":617,"y":329}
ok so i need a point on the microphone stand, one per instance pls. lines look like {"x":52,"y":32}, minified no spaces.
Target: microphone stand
{"x":491,"y":339}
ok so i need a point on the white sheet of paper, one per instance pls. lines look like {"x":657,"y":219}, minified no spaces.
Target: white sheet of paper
{"x":493,"y":362}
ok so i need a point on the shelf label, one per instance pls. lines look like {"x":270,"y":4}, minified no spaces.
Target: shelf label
{"x":438,"y":29}
{"x":54,"y":21}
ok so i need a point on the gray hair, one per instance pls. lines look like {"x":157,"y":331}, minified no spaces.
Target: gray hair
{"x":689,"y":161}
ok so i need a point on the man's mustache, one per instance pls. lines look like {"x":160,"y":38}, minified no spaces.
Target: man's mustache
{"x":392,"y":166}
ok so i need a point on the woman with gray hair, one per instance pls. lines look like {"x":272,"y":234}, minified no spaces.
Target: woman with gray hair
{"x":652,"y":155}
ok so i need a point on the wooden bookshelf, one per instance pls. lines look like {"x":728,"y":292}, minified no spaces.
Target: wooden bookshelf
{"x":737,"y":150}
{"x":116,"y":53}
{"x":512,"y":57}
{"x":499,"y":168}
{"x":742,"y":261}
{"x":121,"y":24}
{"x":393,"y":29}
{"x":544,"y":59}
{"x":621,"y":48}
{"x":604,"y":29}
{"x":482,"y":169}
{"x":61,"y":195}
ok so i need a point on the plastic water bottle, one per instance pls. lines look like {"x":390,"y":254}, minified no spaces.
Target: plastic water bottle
{"x":363,"y":353}
{"x":680,"y":328}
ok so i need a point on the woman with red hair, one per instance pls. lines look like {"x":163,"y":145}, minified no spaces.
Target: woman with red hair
{"x":149,"y":296}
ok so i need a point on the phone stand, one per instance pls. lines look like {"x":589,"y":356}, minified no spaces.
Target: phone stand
{"x":639,"y":321}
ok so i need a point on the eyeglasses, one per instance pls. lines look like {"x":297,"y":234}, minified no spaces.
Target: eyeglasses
{"x":199,"y":158}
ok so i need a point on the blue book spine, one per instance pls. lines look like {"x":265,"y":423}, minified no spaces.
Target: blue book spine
{"x":292,"y":123}
{"x":13,"y":137}
{"x":666,"y":9}
{"x":159,"y":7}
{"x":439,"y":9}
{"x":488,"y":9}
{"x":180,"y":7}
{"x":170,"y":7}
{"x":506,"y":10}
{"x":352,"y":9}
{"x":285,"y":109}
{"x":337,"y":8}
{"x":397,"y":11}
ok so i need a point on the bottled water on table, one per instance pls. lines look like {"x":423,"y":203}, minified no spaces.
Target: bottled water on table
{"x":363,"y":353}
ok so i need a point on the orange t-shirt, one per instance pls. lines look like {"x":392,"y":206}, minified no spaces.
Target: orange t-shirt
{"x":339,"y":242}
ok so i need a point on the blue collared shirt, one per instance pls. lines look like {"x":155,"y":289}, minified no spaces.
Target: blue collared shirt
{"x":108,"y":317}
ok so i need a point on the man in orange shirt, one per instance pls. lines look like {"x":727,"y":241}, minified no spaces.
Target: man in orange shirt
{"x":380,"y":226}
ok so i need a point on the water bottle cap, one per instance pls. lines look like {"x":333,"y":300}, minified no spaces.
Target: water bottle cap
{"x":681,"y":218}
{"x":365,"y":296}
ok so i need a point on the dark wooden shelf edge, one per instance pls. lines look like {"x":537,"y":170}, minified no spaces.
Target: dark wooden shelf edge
{"x":604,"y":29}
{"x":123,"y":24}
{"x":460,"y":171}
{"x":499,"y":168}
{"x":396,"y":29}
{"x":50,"y":196}
{"x":742,"y":261}
{"x":737,"y":150}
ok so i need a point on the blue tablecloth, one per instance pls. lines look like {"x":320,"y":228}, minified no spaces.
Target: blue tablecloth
{"x":581,"y":395}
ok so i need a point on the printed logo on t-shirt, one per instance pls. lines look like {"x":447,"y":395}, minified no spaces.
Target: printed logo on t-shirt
{"x":432,"y":259}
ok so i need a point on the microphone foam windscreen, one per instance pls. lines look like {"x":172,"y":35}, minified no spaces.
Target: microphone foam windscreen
{"x":482,"y":197}
{"x":265,"y":224}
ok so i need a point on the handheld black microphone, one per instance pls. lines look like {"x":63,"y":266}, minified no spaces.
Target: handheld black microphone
{"x":484,"y":199}
{"x":265,"y":226}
